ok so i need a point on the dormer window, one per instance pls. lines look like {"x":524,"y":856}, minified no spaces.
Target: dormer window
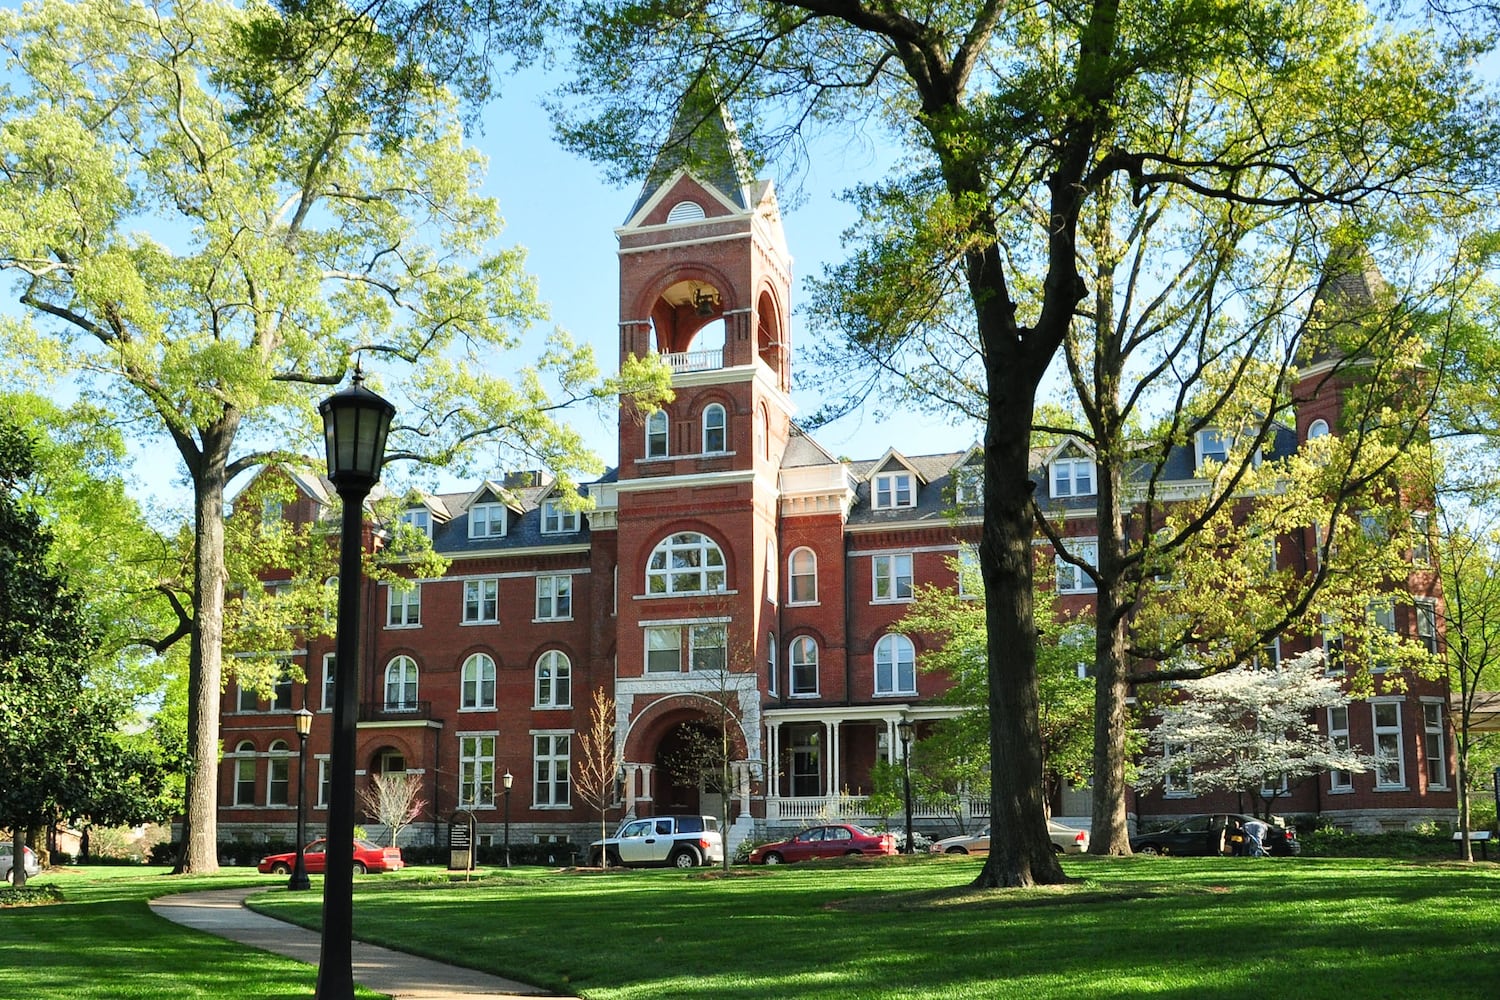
{"x":419,"y":518}
{"x":556,"y":520}
{"x":894,"y":489}
{"x":1213,"y":446}
{"x":1073,"y":477}
{"x":487,"y":520}
{"x":968,"y":485}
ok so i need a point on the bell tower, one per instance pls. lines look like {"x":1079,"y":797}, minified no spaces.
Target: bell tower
{"x":705,"y":284}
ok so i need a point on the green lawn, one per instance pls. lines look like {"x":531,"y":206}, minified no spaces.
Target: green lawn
{"x":1298,"y":929}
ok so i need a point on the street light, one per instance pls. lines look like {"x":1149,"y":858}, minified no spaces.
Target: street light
{"x":904,"y":728}
{"x":299,"y":871}
{"x":505,"y":781}
{"x":355,"y":424}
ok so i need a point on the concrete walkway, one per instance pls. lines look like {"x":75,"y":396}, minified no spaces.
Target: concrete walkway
{"x":223,"y":912}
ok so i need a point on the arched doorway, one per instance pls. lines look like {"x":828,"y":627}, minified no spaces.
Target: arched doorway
{"x":690,"y":764}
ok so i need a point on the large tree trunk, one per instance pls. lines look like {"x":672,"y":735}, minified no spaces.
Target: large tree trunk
{"x":1109,"y":833}
{"x":206,"y":656}
{"x":1020,"y":850}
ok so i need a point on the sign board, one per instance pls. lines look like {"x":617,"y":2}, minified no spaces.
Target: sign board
{"x":461,"y":841}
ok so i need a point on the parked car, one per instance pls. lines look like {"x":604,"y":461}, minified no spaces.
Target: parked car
{"x":654,"y":841}
{"x":1204,"y":836}
{"x":7,"y":862}
{"x":1065,"y":840}
{"x":368,"y":857}
{"x":833,"y":841}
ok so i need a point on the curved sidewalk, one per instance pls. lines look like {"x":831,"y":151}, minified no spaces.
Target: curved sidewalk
{"x":223,"y":912}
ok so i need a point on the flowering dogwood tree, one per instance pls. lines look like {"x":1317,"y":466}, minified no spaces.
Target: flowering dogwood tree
{"x":1251,"y":730}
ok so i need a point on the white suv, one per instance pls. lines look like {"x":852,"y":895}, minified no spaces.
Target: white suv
{"x":675,"y":841}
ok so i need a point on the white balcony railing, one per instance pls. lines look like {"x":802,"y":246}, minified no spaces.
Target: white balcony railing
{"x":695,"y":361}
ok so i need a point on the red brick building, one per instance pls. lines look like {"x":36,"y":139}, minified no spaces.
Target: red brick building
{"x":730,"y":572}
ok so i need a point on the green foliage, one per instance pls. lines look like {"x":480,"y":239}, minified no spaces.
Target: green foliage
{"x":30,"y":894}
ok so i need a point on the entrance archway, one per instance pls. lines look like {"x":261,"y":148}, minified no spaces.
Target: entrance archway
{"x":689,"y":765}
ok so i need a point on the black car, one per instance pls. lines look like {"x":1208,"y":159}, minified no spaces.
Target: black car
{"x":1208,"y":835}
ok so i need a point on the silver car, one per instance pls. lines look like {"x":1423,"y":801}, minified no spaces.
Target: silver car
{"x":7,"y":862}
{"x":1065,"y":840}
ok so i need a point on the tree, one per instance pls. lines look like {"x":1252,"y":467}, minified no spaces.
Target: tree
{"x":60,"y":744}
{"x":1472,"y":591}
{"x":394,"y":800}
{"x":1241,"y":728}
{"x":289,"y":236}
{"x":1025,"y":114}
{"x":598,"y":762}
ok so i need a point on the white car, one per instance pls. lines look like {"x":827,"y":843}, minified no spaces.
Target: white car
{"x":1065,"y":840}
{"x":674,"y":841}
{"x":7,"y":862}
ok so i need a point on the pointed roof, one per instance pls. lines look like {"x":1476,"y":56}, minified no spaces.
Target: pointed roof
{"x":704,"y":142}
{"x":1349,"y":289}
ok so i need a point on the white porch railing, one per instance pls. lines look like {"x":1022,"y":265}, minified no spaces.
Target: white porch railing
{"x":695,"y":361}
{"x":856,"y":809}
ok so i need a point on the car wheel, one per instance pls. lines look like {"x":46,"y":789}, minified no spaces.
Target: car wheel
{"x":773,"y":859}
{"x":10,"y":876}
{"x":1056,"y":849}
{"x":955,"y":849}
{"x":593,"y":861}
{"x":359,"y":868}
{"x":683,"y":859}
{"x":614,"y":859}
{"x":1151,"y":849}
{"x":281,"y":868}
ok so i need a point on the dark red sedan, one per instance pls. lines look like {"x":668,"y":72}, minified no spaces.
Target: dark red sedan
{"x":368,"y":857}
{"x":834,"y":841}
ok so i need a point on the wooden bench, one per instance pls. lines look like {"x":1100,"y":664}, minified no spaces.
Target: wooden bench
{"x":1480,"y":837}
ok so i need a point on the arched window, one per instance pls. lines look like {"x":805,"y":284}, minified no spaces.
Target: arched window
{"x":278,"y":775}
{"x":401,"y":685}
{"x":478,"y":682}
{"x":1317,"y":429}
{"x":554,"y":680}
{"x":715,"y":437}
{"x":244,"y":774}
{"x":802,"y":577}
{"x":773,"y":588}
{"x":656,"y":435}
{"x":895,"y":666}
{"x":804,"y":666}
{"x":685,"y":211}
{"x":762,"y":433}
{"x":685,"y":563}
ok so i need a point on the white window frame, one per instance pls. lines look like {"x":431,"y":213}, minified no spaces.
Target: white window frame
{"x":1435,"y":743}
{"x":488,"y":520}
{"x":773,"y":585}
{"x":1338,"y":739}
{"x":1421,"y":538}
{"x":712,"y":428}
{"x":477,"y":683}
{"x":802,"y":644}
{"x":968,"y":485}
{"x":686,"y":562}
{"x":554,"y":598}
{"x":330,"y":664}
{"x":708,"y":647}
{"x":1390,"y":746}
{"x":662,"y":633}
{"x":279,"y":774}
{"x":557,"y":519}
{"x":902,"y":679}
{"x":403,"y":608}
{"x":554,"y":680}
{"x":968,"y":571}
{"x":1211,"y":444}
{"x":1383,"y":616}
{"x":808,"y":577}
{"x":1425,"y":611}
{"x":893,"y":490}
{"x":1318,"y":428}
{"x":325,"y":782}
{"x":247,"y":698}
{"x":1065,"y":477}
{"x":419,"y":518}
{"x":482,"y":601}
{"x":407,"y":701}
{"x":657,"y":426}
{"x":476,"y":770}
{"x":1071,"y":579}
{"x":771,"y":665}
{"x":550,"y":785}
{"x":245,"y":783}
{"x":891,"y":578}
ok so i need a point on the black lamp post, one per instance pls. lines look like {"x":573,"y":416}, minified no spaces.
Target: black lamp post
{"x":299,"y":870}
{"x":355,"y":424}
{"x":505,"y":780}
{"x":904,"y":727}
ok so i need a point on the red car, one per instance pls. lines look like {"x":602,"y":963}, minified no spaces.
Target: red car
{"x":368,"y":857}
{"x":834,"y":841}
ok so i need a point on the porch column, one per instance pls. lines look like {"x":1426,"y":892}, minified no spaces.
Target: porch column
{"x":647,"y":794}
{"x":744,"y":777}
{"x":835,"y":768}
{"x":631,"y":770}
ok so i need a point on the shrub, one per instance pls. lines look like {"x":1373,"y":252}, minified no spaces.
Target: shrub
{"x":1331,"y":842}
{"x":29,"y":895}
